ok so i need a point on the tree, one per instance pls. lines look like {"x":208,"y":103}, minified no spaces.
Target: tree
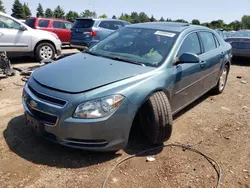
{"x":135,"y":17}
{"x":26,"y":10}
{"x":245,"y":20}
{"x":114,"y":17}
{"x":217,"y":24}
{"x":88,"y":14}
{"x":49,"y":13}
{"x":17,"y":10}
{"x":143,"y":17}
{"x":152,"y":19}
{"x":40,"y":12}
{"x":72,"y":16}
{"x":168,"y":20}
{"x":196,"y":22}
{"x":181,"y":20}
{"x":126,"y":17}
{"x":235,"y":25}
{"x":103,"y":16}
{"x":162,"y":19}
{"x":59,"y":12}
{"x":2,"y":9}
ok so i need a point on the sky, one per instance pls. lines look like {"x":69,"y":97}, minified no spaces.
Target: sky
{"x":205,"y":11}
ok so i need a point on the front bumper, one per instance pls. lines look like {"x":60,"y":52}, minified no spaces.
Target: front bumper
{"x":104,"y":134}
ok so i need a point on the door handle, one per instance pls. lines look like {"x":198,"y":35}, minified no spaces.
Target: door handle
{"x":222,"y":55}
{"x":203,"y":63}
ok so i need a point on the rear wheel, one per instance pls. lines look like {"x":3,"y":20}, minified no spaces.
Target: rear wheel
{"x":45,"y":51}
{"x":222,"y":80}
{"x":156,"y":118}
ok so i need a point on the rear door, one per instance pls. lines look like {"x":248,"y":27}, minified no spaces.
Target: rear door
{"x":188,"y":84}
{"x":12,"y":38}
{"x":43,"y":24}
{"x":213,"y":56}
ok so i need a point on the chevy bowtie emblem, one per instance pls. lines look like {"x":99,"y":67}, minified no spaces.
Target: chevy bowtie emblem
{"x":33,"y":104}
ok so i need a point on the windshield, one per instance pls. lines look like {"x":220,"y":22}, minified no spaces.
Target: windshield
{"x":146,"y":46}
{"x":83,"y":23}
{"x":241,"y":34}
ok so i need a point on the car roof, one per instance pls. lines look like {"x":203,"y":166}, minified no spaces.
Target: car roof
{"x":168,"y":26}
{"x":56,"y":19}
{"x":101,"y":19}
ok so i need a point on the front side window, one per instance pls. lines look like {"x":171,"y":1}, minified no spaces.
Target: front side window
{"x":43,"y":23}
{"x":191,"y":44}
{"x":8,"y":23}
{"x":208,"y":41}
{"x":141,"y":45}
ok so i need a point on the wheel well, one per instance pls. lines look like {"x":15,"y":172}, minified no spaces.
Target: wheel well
{"x":228,"y":64}
{"x":44,"y":41}
{"x":135,"y":120}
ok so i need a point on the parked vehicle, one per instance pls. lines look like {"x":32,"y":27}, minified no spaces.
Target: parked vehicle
{"x":60,"y":27}
{"x":146,"y":72}
{"x":240,"y":42}
{"x":85,"y":30}
{"x":17,"y":37}
{"x":221,"y":33}
{"x":228,"y":33}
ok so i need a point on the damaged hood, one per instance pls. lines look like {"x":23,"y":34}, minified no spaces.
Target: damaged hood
{"x":82,"y":72}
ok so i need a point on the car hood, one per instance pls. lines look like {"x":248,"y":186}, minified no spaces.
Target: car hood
{"x":83,"y":72}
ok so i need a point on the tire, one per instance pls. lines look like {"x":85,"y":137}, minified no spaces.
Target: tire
{"x":219,"y":88}
{"x":45,"y":51}
{"x":156,"y":118}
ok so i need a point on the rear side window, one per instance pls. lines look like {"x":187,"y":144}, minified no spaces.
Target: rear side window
{"x":58,"y":25}
{"x":112,"y":25}
{"x":30,"y":23}
{"x":43,"y":23}
{"x":208,"y":41}
{"x":216,"y":41}
{"x":68,"y":25}
{"x":83,"y":23}
{"x":191,"y":44}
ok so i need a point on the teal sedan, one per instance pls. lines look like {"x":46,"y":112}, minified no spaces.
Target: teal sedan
{"x":146,"y":72}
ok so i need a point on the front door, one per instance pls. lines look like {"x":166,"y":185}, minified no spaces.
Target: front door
{"x":12,"y":38}
{"x":188,"y":83}
{"x":62,"y":30}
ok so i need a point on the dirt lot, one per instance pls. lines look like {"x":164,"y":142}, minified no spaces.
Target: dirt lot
{"x":217,"y":125}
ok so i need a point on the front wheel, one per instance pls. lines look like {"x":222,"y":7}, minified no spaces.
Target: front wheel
{"x":156,"y":118}
{"x":222,"y":80}
{"x":45,"y":51}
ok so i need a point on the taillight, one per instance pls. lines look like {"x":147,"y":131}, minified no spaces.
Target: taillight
{"x":90,"y":33}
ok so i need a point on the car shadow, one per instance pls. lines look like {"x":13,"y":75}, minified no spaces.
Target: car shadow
{"x":22,"y":140}
{"x":241,"y":61}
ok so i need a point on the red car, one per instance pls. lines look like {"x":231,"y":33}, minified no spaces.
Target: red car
{"x":57,"y":26}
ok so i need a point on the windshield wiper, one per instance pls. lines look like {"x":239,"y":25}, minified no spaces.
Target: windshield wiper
{"x":92,"y":53}
{"x":126,"y":60}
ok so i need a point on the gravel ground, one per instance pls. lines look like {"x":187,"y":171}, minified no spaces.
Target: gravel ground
{"x":217,"y":125}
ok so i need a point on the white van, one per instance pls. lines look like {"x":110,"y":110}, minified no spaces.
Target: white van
{"x":16,"y":36}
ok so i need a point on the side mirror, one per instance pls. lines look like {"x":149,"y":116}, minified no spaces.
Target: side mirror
{"x":189,"y":58}
{"x":22,"y":28}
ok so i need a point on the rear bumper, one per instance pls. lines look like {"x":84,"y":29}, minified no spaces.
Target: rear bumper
{"x":241,"y":52}
{"x":79,"y":44}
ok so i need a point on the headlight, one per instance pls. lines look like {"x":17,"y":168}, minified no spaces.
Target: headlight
{"x":98,"y":108}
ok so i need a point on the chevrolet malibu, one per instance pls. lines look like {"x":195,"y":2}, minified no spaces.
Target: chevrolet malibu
{"x":147,"y":72}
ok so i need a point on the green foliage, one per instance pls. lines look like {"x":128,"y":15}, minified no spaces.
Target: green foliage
{"x":40,"y":12}
{"x":143,"y":17}
{"x":59,"y":12}
{"x":196,"y":22}
{"x":17,"y":10}
{"x":181,"y":20}
{"x":135,"y":17}
{"x":162,"y":19}
{"x":126,"y":17}
{"x":245,"y":20}
{"x":152,"y":19}
{"x":103,"y":16}
{"x":88,"y":14}
{"x":26,"y":10}
{"x":72,"y":16}
{"x":2,"y":9}
{"x":114,"y":17}
{"x":235,"y":25}
{"x":48,"y":13}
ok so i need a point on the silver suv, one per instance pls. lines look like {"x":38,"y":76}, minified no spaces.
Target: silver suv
{"x":19,"y":38}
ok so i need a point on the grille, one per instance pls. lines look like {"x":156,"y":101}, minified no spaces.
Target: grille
{"x":43,"y":117}
{"x":48,"y":99}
